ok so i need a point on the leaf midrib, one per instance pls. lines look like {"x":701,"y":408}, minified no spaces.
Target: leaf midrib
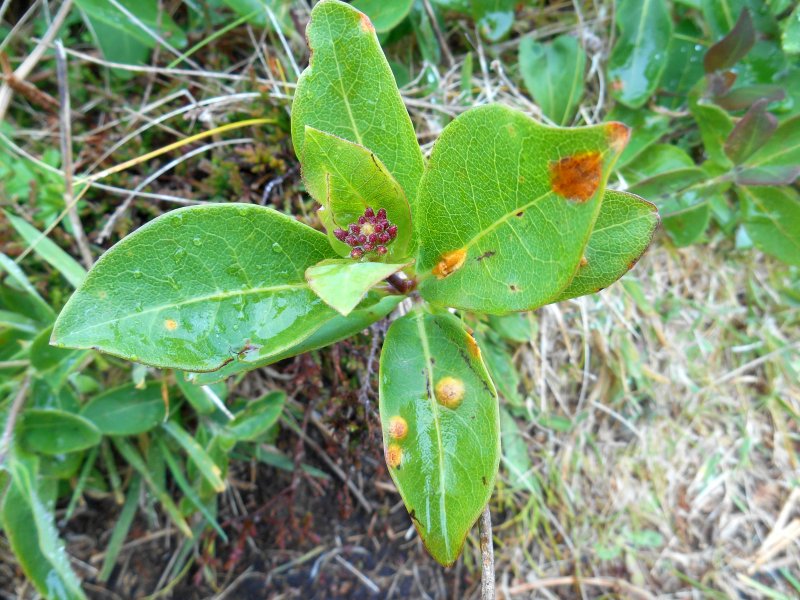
{"x":220,"y":295}
{"x":426,"y":352}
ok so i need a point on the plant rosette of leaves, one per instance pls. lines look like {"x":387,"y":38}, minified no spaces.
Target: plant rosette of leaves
{"x":505,"y":215}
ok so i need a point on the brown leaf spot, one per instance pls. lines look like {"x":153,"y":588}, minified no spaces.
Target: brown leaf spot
{"x":450,"y":262}
{"x":513,"y":288}
{"x":170,"y":324}
{"x":472,"y":346}
{"x":577,"y":177}
{"x":487,"y":254}
{"x":520,"y":213}
{"x":366,"y":24}
{"x":618,"y":135}
{"x":449,"y":392}
{"x":398,"y":427}
{"x":394,"y":455}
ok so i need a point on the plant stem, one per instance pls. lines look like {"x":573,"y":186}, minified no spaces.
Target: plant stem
{"x":487,"y":555}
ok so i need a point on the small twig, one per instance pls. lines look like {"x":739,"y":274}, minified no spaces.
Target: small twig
{"x":11,"y":420}
{"x":487,"y":555}
{"x":363,"y":578}
{"x":66,"y":157}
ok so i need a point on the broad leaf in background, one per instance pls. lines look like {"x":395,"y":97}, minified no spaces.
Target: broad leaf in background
{"x":48,"y":251}
{"x":198,"y":286}
{"x":494,"y":17}
{"x":715,"y":126}
{"x":345,"y":179}
{"x":750,"y":133}
{"x":53,"y":431}
{"x":342,"y":283}
{"x":553,"y":74}
{"x":624,"y":228}
{"x":384,"y":15}
{"x":127,"y":410}
{"x":684,"y":68}
{"x":721,"y":15}
{"x":640,"y":54}
{"x":791,"y":33}
{"x":361,"y":102}
{"x":516,"y":459}
{"x":121,"y":39}
{"x":772,"y":220}
{"x":28,"y":525}
{"x":776,"y":162}
{"x":372,"y":309}
{"x":440,"y":420}
{"x":258,"y":417}
{"x":506,"y":208}
{"x":733,"y":47}
{"x":38,"y":308}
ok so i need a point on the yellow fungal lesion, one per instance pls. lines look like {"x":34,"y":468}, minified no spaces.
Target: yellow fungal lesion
{"x":450,"y":262}
{"x":584,"y":261}
{"x":394,"y":455}
{"x":398,"y":427}
{"x":449,"y":392}
{"x":170,"y":324}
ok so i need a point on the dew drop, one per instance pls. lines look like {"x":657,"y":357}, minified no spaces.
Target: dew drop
{"x":197,"y":241}
{"x":276,"y":247}
{"x":137,"y":274}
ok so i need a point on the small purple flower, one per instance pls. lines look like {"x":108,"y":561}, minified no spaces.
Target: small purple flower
{"x":370,"y":233}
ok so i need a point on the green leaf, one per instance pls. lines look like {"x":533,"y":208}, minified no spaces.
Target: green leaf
{"x":335,"y":329}
{"x":791,"y":32}
{"x":553,"y":74}
{"x":516,"y":459}
{"x":440,"y":419}
{"x":384,"y":15}
{"x":51,"y":431}
{"x":624,"y":229}
{"x":494,"y":17}
{"x":121,"y":527}
{"x":259,"y":416}
{"x":684,"y":221}
{"x":197,"y":395}
{"x":47,"y":250}
{"x":343,"y":283}
{"x":348,"y":90}
{"x":205,"y":464}
{"x":501,"y":367}
{"x":733,"y":47}
{"x":772,"y":220}
{"x":28,"y":525}
{"x":127,"y":410}
{"x":684,"y":66}
{"x":647,"y":127}
{"x":199,"y":286}
{"x":715,"y":126}
{"x":40,"y":308}
{"x":657,"y":159}
{"x":721,"y":15}
{"x":750,"y":133}
{"x":18,"y":322}
{"x":506,"y":208}
{"x":639,"y":55}
{"x":777,"y":161}
{"x":345,"y":179}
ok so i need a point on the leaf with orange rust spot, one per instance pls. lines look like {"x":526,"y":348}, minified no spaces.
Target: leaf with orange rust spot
{"x":518,"y":200}
{"x":441,"y":427}
{"x":623,"y":231}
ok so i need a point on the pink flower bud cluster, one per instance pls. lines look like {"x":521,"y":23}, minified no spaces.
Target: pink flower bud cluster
{"x":371,"y":233}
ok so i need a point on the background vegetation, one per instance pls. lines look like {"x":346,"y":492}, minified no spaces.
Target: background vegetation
{"x":650,"y":432}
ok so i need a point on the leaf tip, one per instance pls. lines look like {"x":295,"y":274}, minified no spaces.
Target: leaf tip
{"x":577,"y":177}
{"x":619,"y":135}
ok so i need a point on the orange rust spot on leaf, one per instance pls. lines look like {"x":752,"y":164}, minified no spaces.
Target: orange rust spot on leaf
{"x":366,"y":24}
{"x":450,"y":262}
{"x":171,"y":324}
{"x":449,"y":392}
{"x":577,"y":177}
{"x":584,"y":261}
{"x":394,"y":455}
{"x":618,"y":135}
{"x":398,"y":427}
{"x":472,"y":346}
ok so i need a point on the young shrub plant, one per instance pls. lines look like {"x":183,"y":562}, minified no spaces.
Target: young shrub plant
{"x":505,"y":215}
